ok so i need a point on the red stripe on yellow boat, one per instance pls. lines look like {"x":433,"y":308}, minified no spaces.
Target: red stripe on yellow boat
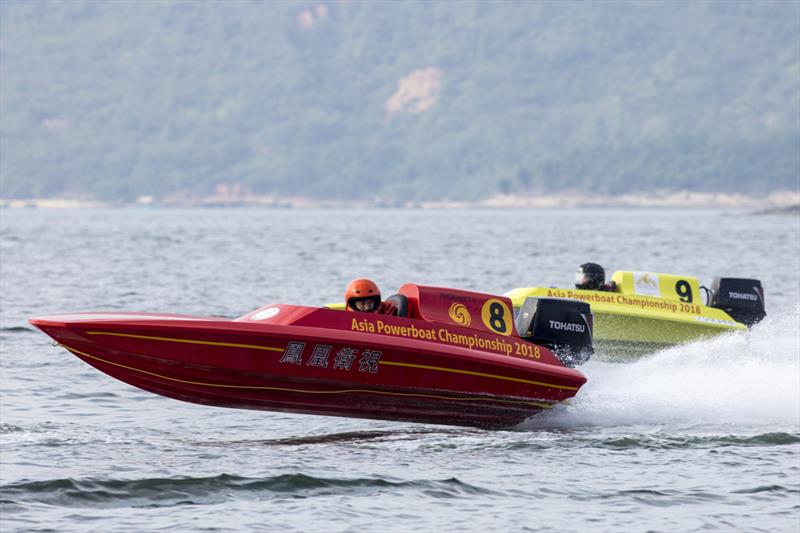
{"x":303,"y":391}
{"x":187,"y":341}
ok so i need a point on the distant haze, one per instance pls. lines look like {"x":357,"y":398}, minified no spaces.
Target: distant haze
{"x":397,"y":100}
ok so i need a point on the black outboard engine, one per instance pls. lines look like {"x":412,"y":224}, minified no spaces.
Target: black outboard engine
{"x":562,"y":325}
{"x":742,"y":299}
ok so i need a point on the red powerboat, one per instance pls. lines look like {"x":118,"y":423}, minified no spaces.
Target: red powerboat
{"x":450,"y":357}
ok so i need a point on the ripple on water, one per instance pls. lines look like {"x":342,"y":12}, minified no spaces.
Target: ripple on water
{"x":167,"y":492}
{"x":768,"y":488}
{"x":17,"y":329}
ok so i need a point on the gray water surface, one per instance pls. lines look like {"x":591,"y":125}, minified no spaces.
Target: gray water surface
{"x":699,"y":437}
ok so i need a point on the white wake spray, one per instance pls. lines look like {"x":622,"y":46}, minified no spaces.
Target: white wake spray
{"x":750,"y":378}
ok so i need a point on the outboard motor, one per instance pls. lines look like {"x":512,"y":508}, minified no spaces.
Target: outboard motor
{"x":742,"y":299}
{"x":562,"y":325}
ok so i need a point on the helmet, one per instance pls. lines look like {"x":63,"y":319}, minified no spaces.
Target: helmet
{"x":362,"y":295}
{"x":590,"y":276}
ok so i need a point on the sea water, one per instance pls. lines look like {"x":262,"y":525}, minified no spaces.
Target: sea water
{"x":700,"y":437}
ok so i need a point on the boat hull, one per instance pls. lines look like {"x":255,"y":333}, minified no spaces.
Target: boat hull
{"x":631,"y":325}
{"x":629,"y":335}
{"x":312,"y":370}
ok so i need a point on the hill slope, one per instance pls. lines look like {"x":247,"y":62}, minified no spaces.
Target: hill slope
{"x":404,"y":100}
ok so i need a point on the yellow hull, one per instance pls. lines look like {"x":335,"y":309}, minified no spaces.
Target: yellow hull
{"x":633,"y":324}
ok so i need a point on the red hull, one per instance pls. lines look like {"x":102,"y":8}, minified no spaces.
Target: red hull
{"x":330,"y":370}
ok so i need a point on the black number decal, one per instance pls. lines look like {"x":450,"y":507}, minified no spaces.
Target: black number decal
{"x":496,"y":318}
{"x":684,"y":291}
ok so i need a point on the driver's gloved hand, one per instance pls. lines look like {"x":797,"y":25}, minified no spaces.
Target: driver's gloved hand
{"x":386,"y":308}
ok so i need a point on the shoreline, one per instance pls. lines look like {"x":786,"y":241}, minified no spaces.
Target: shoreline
{"x":777,"y":201}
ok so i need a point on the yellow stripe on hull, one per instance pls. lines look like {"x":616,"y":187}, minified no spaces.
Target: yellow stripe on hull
{"x":77,"y":352}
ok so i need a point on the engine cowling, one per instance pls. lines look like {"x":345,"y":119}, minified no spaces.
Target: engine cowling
{"x":564,"y":326}
{"x":741,"y":298}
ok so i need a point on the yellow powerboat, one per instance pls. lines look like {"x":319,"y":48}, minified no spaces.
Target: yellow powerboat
{"x":641,"y":312}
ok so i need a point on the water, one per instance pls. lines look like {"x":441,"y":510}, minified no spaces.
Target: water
{"x":699,"y":437}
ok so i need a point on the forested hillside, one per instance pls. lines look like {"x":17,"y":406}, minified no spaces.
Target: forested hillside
{"x":398,"y":100}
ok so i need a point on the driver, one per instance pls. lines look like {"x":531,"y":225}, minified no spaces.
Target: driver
{"x":592,"y":277}
{"x":364,"y":296}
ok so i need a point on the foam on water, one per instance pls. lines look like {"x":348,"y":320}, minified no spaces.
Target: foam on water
{"x":751,"y":378}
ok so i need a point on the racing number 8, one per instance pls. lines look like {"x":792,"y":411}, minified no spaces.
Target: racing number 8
{"x":684,"y":291}
{"x":497,"y":317}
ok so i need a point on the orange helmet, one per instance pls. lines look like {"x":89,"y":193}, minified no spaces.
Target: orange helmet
{"x":362,"y":295}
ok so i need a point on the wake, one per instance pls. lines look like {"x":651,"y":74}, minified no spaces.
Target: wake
{"x":749,"y":378}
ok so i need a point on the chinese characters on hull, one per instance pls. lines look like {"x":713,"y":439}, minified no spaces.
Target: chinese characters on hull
{"x":320,"y":355}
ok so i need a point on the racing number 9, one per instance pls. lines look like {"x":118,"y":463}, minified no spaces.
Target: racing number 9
{"x":684,"y":291}
{"x":496,"y":316}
